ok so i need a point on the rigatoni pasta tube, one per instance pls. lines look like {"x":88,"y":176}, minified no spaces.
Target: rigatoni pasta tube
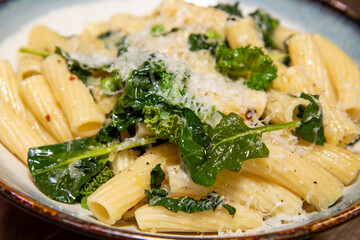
{"x":159,"y":219}
{"x":343,"y":73}
{"x":9,"y":89}
{"x":177,"y":13}
{"x":127,"y":22}
{"x":123,"y":191}
{"x":307,"y":179}
{"x":123,"y":159}
{"x":304,"y":51}
{"x":296,"y":79}
{"x":341,"y":163}
{"x":39,"y":97}
{"x":28,"y":65}
{"x":241,"y":33}
{"x":339,"y":127}
{"x":85,"y":117}
{"x":282,"y":107}
{"x":243,"y":188}
{"x":44,"y":39}
{"x":280,"y":35}
{"x":17,"y":134}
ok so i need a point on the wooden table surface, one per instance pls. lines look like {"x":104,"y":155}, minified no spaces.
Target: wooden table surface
{"x":16,"y":224}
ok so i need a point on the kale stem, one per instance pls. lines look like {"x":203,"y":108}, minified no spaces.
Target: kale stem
{"x":33,"y":51}
{"x":279,"y":126}
{"x":96,"y":152}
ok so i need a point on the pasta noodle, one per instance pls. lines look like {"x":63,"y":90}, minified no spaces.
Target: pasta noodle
{"x":85,"y":118}
{"x":159,"y":219}
{"x":39,"y":98}
{"x":116,"y":196}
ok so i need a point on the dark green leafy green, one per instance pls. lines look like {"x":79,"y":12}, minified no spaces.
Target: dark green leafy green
{"x":208,"y":41}
{"x":163,"y":120}
{"x":122,"y":46}
{"x":157,"y":177}
{"x":231,"y":9}
{"x":94,"y":183}
{"x":230,"y":209}
{"x":105,"y":35}
{"x":60,"y":170}
{"x":249,"y":63}
{"x":205,"y":150}
{"x":311,"y":126}
{"x":150,"y":85}
{"x":265,"y":24}
{"x":158,"y":197}
{"x":232,"y":142}
{"x":287,"y":59}
{"x":185,"y":204}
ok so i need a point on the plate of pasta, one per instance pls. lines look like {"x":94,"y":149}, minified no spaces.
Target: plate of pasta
{"x":181,"y":119}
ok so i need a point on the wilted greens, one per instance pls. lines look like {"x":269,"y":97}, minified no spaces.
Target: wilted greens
{"x":158,"y":197}
{"x":61,"y":170}
{"x":250,"y":63}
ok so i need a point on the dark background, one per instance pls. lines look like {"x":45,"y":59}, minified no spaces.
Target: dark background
{"x":17,"y":225}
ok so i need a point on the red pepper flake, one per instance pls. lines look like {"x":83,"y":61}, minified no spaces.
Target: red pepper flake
{"x":47,"y":117}
{"x":249,"y":114}
{"x":72,"y":77}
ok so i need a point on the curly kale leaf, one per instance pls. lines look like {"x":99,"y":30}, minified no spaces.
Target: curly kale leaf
{"x":158,"y":197}
{"x":164,"y":121}
{"x":94,"y":183}
{"x":148,"y":88}
{"x":231,"y":9}
{"x":265,"y":24}
{"x":252,"y":64}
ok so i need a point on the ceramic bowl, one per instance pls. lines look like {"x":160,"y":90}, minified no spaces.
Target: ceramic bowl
{"x":68,"y":17}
